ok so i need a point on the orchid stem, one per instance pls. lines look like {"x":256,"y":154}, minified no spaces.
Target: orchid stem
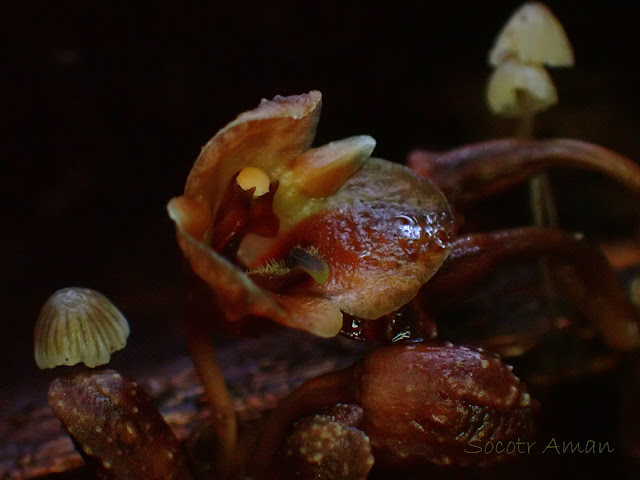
{"x":203,"y":354}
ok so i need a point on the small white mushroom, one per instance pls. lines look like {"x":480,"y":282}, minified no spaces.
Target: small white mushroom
{"x":78,"y":325}
{"x":533,"y":35}
{"x":517,"y":90}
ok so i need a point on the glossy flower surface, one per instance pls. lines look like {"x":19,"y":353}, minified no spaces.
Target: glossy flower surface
{"x":337,"y":232}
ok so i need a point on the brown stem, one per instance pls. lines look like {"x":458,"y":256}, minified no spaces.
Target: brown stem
{"x":310,"y":398}
{"x":525,"y":126}
{"x":544,"y":211}
{"x":203,"y":355}
{"x":468,"y":173}
{"x":545,"y":214}
{"x":581,"y":270}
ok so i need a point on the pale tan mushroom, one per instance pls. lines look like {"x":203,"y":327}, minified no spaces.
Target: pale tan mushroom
{"x":533,"y":35}
{"x":517,"y":90}
{"x":78,"y":325}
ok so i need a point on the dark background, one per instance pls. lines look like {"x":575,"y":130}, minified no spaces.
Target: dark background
{"x":104,"y":107}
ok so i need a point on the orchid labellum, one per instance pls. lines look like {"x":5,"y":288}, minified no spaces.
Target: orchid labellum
{"x":334,"y":232}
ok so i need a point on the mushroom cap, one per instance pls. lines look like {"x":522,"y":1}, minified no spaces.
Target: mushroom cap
{"x":533,"y":35}
{"x":517,"y":90}
{"x":78,"y":325}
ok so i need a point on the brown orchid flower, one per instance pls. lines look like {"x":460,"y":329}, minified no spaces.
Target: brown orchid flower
{"x":301,"y":235}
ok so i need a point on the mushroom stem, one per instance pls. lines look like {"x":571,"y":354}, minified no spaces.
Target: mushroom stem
{"x":526,"y":126}
{"x":543,"y":207}
{"x":310,"y":398}
{"x":544,"y":212}
{"x":225,"y":425}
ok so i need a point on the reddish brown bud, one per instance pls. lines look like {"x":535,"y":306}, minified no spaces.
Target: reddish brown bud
{"x":322,"y":448}
{"x":118,"y":429}
{"x":431,"y":403}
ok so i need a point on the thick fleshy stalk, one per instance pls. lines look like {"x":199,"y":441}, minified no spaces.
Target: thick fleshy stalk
{"x":475,"y":171}
{"x":581,"y":270}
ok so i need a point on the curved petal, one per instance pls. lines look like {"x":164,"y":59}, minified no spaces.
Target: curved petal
{"x":191,"y":215}
{"x":230,"y":284}
{"x":313,"y":314}
{"x":321,"y":171}
{"x":240,"y":297}
{"x":383,"y":234}
{"x":269,"y":137}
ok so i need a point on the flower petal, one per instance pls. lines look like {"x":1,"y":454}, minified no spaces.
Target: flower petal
{"x":321,"y":171}
{"x":269,"y":137}
{"x":241,"y":297}
{"x":383,"y":234}
{"x":192,"y":215}
{"x":230,"y":284}
{"x":313,"y":314}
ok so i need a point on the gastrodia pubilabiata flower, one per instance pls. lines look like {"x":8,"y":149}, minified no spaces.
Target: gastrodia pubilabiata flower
{"x":337,"y":232}
{"x":78,"y":325}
